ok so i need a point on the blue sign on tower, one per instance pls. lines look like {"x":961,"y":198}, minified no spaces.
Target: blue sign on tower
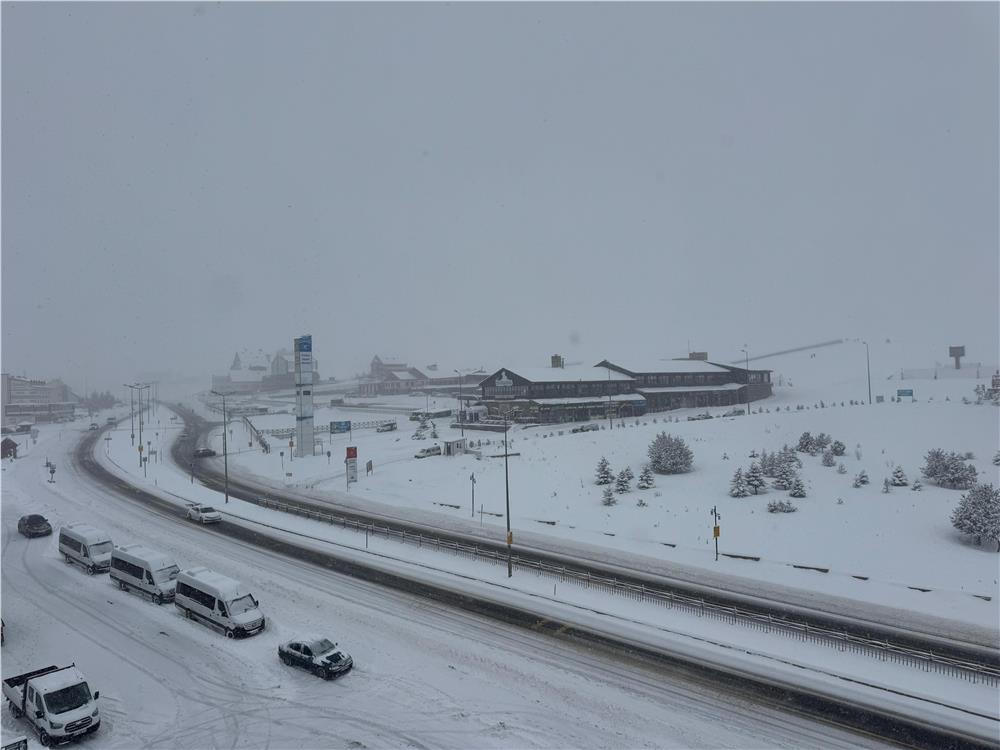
{"x":304,"y":344}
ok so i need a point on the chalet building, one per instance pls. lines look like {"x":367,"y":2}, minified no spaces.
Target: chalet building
{"x":560,"y":394}
{"x":256,"y":371}
{"x":578,"y":393}
{"x":693,"y":382}
{"x":389,"y":376}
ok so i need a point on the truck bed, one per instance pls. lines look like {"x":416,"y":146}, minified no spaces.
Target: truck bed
{"x":13,"y":686}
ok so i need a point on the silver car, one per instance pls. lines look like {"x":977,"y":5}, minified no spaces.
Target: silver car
{"x":204,"y":514}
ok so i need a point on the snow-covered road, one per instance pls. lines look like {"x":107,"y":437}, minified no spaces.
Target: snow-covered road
{"x":426,"y":675}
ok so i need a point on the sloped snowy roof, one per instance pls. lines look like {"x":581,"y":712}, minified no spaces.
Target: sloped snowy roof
{"x":575,"y":374}
{"x":640,"y":365}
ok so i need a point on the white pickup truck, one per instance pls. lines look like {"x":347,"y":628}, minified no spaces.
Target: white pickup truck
{"x":56,"y":701}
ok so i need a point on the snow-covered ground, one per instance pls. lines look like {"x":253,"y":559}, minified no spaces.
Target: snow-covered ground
{"x":897,"y":549}
{"x":426,"y":675}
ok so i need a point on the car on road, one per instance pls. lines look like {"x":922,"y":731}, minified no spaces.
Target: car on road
{"x":386,"y":427}
{"x":34,"y":525}
{"x":204,"y":453}
{"x":434,"y":450}
{"x":735,"y":413}
{"x":696,"y":417}
{"x":203,"y":513}
{"x":94,"y":426}
{"x":319,"y":656}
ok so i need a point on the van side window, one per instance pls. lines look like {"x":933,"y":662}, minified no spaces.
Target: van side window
{"x":222,"y":608}
{"x":149,"y":577}
{"x":84,"y":552}
{"x":38,"y":702}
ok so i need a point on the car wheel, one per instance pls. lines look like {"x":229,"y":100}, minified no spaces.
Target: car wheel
{"x":159,"y":599}
{"x":91,"y":570}
{"x":122,"y":585}
{"x":188,"y":614}
{"x":230,"y":633}
{"x":44,"y":739}
{"x":285,"y":659}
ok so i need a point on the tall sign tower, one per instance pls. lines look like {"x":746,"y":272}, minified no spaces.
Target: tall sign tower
{"x":304,"y":435}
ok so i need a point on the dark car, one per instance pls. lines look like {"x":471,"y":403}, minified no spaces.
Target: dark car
{"x":321,"y":657}
{"x":34,"y":525}
{"x":204,"y":453}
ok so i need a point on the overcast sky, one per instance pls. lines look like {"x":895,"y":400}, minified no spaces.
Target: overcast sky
{"x":490,"y":184}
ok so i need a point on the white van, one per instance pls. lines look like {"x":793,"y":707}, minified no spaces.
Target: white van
{"x":218,"y":601}
{"x":86,"y":546}
{"x":147,"y":571}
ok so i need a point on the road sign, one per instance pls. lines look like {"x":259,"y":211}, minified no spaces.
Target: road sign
{"x":336,"y":427}
{"x":715,"y":532}
{"x":352,"y":451}
{"x":904,"y":392}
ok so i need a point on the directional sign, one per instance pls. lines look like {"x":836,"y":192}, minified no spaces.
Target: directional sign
{"x":336,"y":427}
{"x":904,"y":392}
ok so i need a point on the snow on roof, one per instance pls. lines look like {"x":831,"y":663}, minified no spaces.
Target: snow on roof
{"x":586,"y":400}
{"x":64,"y":678}
{"x":666,"y":365}
{"x":157,"y":560}
{"x":575,"y":374}
{"x":227,"y":588}
{"x":250,"y":358}
{"x":690,"y":388}
{"x":404,"y":375}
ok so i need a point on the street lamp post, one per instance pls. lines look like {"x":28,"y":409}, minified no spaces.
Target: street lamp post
{"x":747,"y":353}
{"x":506,"y":484}
{"x":461,"y":409}
{"x":868,"y":369}
{"x":225,"y":452}
{"x":131,"y":400}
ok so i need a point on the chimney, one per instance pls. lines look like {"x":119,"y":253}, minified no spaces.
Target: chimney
{"x":558,"y":361}
{"x":698,"y":355}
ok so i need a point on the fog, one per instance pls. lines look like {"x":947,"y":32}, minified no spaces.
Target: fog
{"x":491,"y":184}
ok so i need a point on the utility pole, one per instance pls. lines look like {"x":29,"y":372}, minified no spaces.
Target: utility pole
{"x":131,"y":399}
{"x":868,"y":369}
{"x":506,"y":484}
{"x":472,"y":478}
{"x":225,"y":452}
{"x":715,"y":531}
{"x":461,"y":410}
{"x":611,"y":422}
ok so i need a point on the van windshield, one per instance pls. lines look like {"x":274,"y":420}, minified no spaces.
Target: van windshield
{"x":243,"y":604}
{"x":101,"y":548}
{"x":166,"y":574}
{"x":68,"y":698}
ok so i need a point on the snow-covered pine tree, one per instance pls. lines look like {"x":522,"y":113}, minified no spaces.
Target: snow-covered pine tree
{"x":996,"y":458}
{"x":645,"y":478}
{"x":608,"y":497}
{"x":916,"y":486}
{"x":797,"y":489}
{"x":828,"y":458}
{"x":604,"y":474}
{"x":755,"y":478}
{"x":899,"y":477}
{"x":781,"y":506}
{"x":861,"y":479}
{"x":789,"y":456}
{"x":669,"y":454}
{"x":805,"y":443}
{"x":885,"y":485}
{"x":627,"y":471}
{"x":837,"y":448}
{"x":821,"y":442}
{"x":622,"y":483}
{"x":641,"y":503}
{"x":738,"y":486}
{"x":841,"y":469}
{"x":786,"y":475}
{"x":978,"y":514}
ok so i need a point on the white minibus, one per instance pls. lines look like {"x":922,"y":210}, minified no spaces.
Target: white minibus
{"x":86,"y":546}
{"x":218,"y":601}
{"x":147,"y":571}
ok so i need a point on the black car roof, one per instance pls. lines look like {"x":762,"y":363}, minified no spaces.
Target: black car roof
{"x":35,"y":518}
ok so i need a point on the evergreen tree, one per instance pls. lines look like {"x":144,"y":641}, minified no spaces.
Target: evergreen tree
{"x":781,"y":506}
{"x":622,"y":483}
{"x":805,"y":443}
{"x":798,"y":489}
{"x":916,"y":486}
{"x":821,"y":442}
{"x":837,"y":448}
{"x":786,"y":476}
{"x":755,"y":478}
{"x":669,"y":455}
{"x":738,"y":487}
{"x":645,"y":478}
{"x":978,"y":514}
{"x":604,"y":475}
{"x":608,"y":497}
{"x":828,"y":459}
{"x":899,"y":477}
{"x":627,"y":471}
{"x":861,"y":479}
{"x":641,"y":503}
{"x":948,"y":470}
{"x":841,"y":469}
{"x":996,"y":458}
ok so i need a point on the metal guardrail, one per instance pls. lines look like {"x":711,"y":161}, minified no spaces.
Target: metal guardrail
{"x":926,"y":660}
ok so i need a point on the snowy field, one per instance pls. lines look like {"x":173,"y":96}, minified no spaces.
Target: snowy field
{"x":425,"y":675}
{"x":876,"y":547}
